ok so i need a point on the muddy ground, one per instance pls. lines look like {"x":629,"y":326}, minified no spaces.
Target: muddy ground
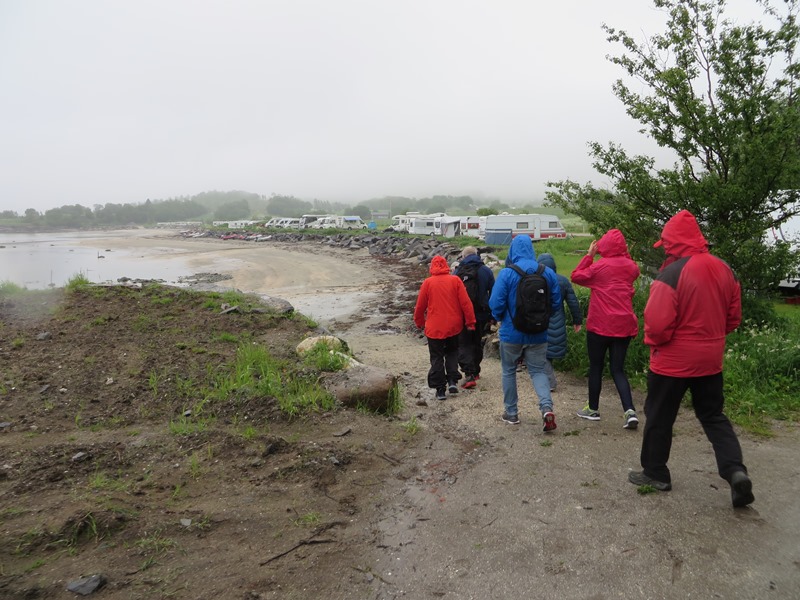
{"x":442,"y":501}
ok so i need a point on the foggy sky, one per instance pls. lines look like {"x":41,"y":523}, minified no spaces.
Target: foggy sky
{"x":343,"y":100}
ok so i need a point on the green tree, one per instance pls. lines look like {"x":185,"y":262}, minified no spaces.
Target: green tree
{"x":362,"y":211}
{"x":723,"y":97}
{"x":236,"y":209}
{"x":288,"y":206}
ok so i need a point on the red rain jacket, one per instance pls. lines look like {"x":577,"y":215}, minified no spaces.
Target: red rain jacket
{"x":443,"y":306}
{"x":611,"y":281}
{"x":694,"y":303}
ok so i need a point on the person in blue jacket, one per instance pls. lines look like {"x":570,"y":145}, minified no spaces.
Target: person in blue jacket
{"x":557,"y":332}
{"x":515,"y":344}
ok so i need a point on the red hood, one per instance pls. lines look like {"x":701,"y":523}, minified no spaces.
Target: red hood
{"x":681,"y":236}
{"x":439,"y":266}
{"x":612,"y":244}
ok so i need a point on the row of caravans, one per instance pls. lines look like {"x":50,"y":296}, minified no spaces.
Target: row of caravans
{"x":318,"y":222}
{"x":494,"y":229}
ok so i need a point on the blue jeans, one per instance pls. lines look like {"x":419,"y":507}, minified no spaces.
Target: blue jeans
{"x":535,"y":356}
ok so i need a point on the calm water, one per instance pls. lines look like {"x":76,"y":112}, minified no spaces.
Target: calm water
{"x":40,"y":259}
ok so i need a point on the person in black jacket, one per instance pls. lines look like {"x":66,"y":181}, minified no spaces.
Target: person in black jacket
{"x":479,"y":280}
{"x":557,"y":331}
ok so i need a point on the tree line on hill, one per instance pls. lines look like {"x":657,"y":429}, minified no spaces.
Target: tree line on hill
{"x":240,"y":205}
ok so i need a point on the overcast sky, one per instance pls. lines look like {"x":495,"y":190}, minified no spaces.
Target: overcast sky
{"x":344,"y":100}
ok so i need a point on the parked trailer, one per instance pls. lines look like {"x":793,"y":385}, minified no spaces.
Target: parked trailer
{"x":423,"y":224}
{"x":307,"y":220}
{"x":447,"y":226}
{"x":473,"y":226}
{"x":501,"y":229}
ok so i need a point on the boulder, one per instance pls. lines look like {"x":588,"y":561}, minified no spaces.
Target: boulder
{"x":331,"y":341}
{"x":363,"y":385}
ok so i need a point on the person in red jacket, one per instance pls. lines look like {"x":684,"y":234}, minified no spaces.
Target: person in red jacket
{"x":694,"y":303}
{"x":443,"y":308}
{"x":611,"y":323}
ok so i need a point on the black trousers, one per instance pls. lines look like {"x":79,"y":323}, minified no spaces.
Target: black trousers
{"x":617,"y":348}
{"x":444,"y":362}
{"x":664,"y":395}
{"x":470,"y":349}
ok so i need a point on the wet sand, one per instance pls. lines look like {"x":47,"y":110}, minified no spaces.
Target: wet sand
{"x":322,"y":282}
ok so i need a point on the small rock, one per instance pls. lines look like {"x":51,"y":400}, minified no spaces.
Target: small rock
{"x":186,"y":522}
{"x":80,"y":456}
{"x":109,"y":380}
{"x":86,"y":585}
{"x":46,"y":335}
{"x":342,"y":432}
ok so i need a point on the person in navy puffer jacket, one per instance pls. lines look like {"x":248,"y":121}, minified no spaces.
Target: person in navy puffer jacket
{"x":557,"y":332}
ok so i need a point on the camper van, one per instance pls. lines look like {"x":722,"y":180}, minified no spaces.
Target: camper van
{"x":335,"y":222}
{"x":501,"y":229}
{"x":473,"y":226}
{"x":307,"y":220}
{"x":423,"y":224}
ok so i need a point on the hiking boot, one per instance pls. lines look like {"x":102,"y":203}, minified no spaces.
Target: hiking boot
{"x":588,"y":413}
{"x":453,"y":389}
{"x":631,"y":421}
{"x":639,"y":478}
{"x":440,"y":395}
{"x":741,"y":490}
{"x":549,"y":421}
{"x":513,"y":419}
{"x":469,"y":383}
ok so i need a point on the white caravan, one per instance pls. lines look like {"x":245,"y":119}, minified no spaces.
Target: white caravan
{"x":473,"y":226}
{"x":501,"y":229}
{"x":423,"y":224}
{"x":447,"y":226}
{"x":335,"y":222}
{"x":307,"y":220}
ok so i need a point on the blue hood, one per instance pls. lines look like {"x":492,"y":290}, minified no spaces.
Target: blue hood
{"x":547,"y":260}
{"x":521,"y":249}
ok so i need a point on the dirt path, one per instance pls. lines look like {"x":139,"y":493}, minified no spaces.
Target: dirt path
{"x":481,"y":509}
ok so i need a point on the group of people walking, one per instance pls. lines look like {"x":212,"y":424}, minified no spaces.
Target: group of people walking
{"x":694,"y":303}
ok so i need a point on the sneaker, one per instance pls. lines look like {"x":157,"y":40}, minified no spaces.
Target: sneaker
{"x":513,"y":419}
{"x":631,"y":422}
{"x":453,"y":389}
{"x":741,"y":489}
{"x":588,"y":413}
{"x":440,"y":395}
{"x":549,"y":420}
{"x":469,"y":383}
{"x":639,"y":478}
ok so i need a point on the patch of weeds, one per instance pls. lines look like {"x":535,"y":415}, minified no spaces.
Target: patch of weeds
{"x":34,"y":565}
{"x":300,"y":397}
{"x":141,"y":323}
{"x":227,"y":337}
{"x":155,"y":544}
{"x":49,"y":405}
{"x":185,"y":426}
{"x":77,"y":283}
{"x":593,"y":483}
{"x":10,"y":512}
{"x":395,"y":403}
{"x":546,"y":443}
{"x":199,"y":350}
{"x":195,"y":468}
{"x":102,"y":320}
{"x":249,"y":432}
{"x":101,"y":481}
{"x":177,"y":492}
{"x":89,"y":360}
{"x":18,"y":342}
{"x":9,"y":288}
{"x":307,"y":520}
{"x":161,"y":300}
{"x":411,"y":426}
{"x":323,"y":358}
{"x":307,"y":321}
{"x":646,"y":489}
{"x":181,"y":345}
{"x":573,"y":432}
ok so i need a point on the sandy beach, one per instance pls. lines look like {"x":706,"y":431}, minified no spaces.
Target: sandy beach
{"x":322,"y":282}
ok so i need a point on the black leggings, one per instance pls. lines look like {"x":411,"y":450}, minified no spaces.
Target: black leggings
{"x":617,"y":347}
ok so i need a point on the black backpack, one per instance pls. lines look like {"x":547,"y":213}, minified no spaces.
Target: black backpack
{"x":469,"y":275}
{"x":533,"y":301}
